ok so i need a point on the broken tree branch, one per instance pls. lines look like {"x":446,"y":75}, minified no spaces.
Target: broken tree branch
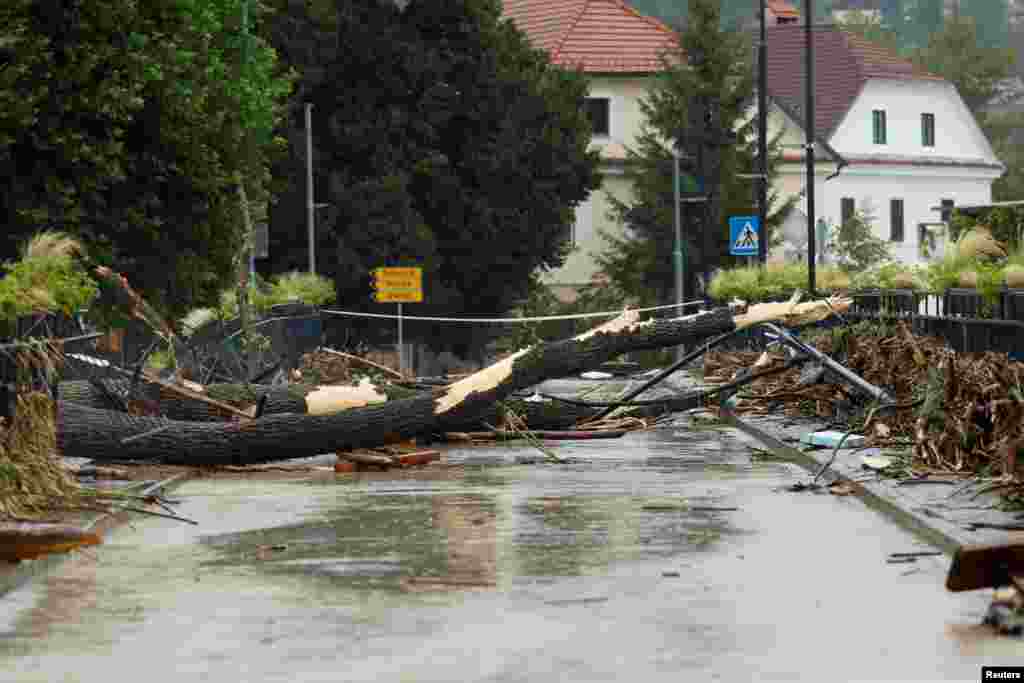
{"x":97,"y":434}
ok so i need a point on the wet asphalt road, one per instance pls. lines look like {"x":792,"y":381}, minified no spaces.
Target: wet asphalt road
{"x":627,"y":564}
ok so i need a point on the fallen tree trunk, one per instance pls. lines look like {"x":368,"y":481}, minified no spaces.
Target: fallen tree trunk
{"x":280,"y":399}
{"x":291,"y":398}
{"x":99,"y":434}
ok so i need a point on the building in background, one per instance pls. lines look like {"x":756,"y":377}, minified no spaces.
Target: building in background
{"x":907,"y":140}
{"x":619,"y":49}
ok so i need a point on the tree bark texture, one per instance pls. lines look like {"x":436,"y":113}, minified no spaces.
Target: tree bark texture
{"x":291,"y":399}
{"x":95,"y":433}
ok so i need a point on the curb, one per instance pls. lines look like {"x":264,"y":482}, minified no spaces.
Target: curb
{"x":916,"y":523}
{"x":16,"y":575}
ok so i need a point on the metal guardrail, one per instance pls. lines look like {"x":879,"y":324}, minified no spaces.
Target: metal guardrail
{"x":961,"y":317}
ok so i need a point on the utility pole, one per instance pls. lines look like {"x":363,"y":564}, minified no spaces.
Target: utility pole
{"x":310,"y":207}
{"x":809,"y":147}
{"x":762,"y":135}
{"x":677,"y":253}
{"x":245,"y":262}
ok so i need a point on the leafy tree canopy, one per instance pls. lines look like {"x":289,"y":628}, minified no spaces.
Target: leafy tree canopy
{"x":442,"y":139}
{"x":641,"y":265}
{"x":124,"y":123}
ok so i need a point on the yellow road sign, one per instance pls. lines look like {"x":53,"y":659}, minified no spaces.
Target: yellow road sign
{"x":401,"y":296}
{"x":398,"y":285}
{"x":398,"y":278}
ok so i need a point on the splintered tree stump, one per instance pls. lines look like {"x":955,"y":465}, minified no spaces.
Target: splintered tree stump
{"x":98,"y":434}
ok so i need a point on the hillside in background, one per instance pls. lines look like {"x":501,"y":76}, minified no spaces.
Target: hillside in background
{"x":911,"y":20}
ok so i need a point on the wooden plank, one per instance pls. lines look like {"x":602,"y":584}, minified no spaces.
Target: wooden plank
{"x":367,"y":459}
{"x":985,"y":566}
{"x":417,"y":458}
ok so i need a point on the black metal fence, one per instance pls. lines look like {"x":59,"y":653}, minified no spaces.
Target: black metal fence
{"x":964,"y":318}
{"x":213,"y":353}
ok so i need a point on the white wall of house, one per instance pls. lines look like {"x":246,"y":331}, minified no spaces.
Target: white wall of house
{"x":624,"y":121}
{"x":591,"y":218}
{"x":920,"y":188}
{"x":957,"y":135}
{"x":871,"y":181}
{"x":624,"y":93}
{"x":791,"y":181}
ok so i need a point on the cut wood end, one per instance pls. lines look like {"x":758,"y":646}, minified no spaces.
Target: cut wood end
{"x":485,"y":380}
{"x":626,"y":320}
{"x":333,"y":399}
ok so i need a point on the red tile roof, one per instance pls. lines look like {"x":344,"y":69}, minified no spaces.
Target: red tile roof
{"x":600,"y":36}
{"x":843,"y":62}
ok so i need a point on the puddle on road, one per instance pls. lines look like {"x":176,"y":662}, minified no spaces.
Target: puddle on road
{"x":495,"y":525}
{"x":596,"y":570}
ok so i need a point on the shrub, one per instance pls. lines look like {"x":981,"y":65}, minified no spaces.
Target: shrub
{"x":856,"y":246}
{"x":48,"y":277}
{"x":833,"y":280}
{"x":892,"y":276}
{"x":979,"y":243}
{"x":736,"y":283}
{"x":775,"y":280}
{"x":309,"y":288}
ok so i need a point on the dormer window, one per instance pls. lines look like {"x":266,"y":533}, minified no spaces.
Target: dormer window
{"x":928,"y":130}
{"x":878,"y":126}
{"x":598,"y":111}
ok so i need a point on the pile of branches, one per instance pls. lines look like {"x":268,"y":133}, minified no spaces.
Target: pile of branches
{"x":320,"y":367}
{"x":31,"y":478}
{"x":959,"y":412}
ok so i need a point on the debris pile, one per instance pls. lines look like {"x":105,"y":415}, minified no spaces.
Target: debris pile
{"x":959,"y":412}
{"x":320,"y":367}
{"x":31,"y":477}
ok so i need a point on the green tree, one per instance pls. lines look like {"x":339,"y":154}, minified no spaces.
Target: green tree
{"x":123,"y":124}
{"x":1004,"y":131}
{"x":893,"y":15}
{"x":924,"y":18}
{"x":960,"y":55}
{"x":956,"y":54}
{"x":855,"y":244}
{"x":991,"y":17}
{"x":871,"y":27}
{"x":641,"y":264}
{"x":443,"y":140}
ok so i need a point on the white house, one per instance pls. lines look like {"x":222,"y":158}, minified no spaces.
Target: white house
{"x":906,"y":140}
{"x":618,"y":48}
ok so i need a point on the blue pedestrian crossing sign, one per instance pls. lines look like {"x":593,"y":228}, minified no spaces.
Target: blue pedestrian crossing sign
{"x":743,"y":235}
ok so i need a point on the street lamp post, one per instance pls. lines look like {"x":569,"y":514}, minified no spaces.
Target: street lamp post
{"x":677,"y":253}
{"x":762,"y":135}
{"x":809,"y":148}
{"x":310,"y":207}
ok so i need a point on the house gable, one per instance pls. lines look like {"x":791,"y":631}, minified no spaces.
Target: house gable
{"x":959,"y":140}
{"x":843,"y":63}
